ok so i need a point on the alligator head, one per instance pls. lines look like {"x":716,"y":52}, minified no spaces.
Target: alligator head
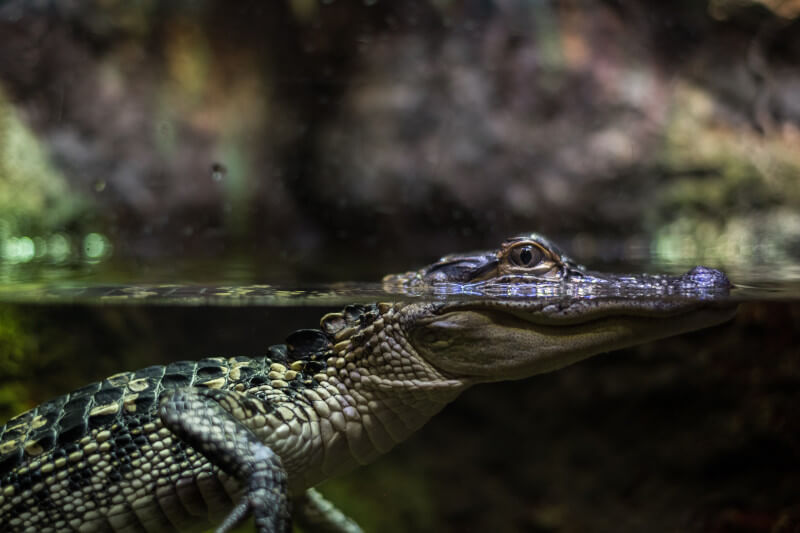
{"x":527,"y":308}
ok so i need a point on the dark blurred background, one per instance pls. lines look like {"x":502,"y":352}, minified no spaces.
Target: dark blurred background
{"x":330,"y":140}
{"x":302,"y":141}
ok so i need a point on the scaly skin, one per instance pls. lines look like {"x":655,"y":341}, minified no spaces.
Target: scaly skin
{"x":192,"y":444}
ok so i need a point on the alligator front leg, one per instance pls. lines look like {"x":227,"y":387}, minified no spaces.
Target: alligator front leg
{"x":204,"y":419}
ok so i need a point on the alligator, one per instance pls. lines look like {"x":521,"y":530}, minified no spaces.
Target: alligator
{"x":194,"y":444}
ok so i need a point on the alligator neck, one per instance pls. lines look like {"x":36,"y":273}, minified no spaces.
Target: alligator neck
{"x":364,"y":406}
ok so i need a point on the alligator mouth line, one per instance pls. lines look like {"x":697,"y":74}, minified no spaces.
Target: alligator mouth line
{"x":576,"y":315}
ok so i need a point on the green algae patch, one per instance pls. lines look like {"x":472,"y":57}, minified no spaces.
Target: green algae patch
{"x":390,"y":495}
{"x":16,"y":348}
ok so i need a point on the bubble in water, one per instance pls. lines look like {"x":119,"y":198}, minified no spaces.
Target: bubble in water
{"x":218,"y":171}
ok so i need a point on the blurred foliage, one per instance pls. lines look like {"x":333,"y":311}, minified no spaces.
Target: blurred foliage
{"x":35,"y":197}
{"x":731,"y":171}
{"x":744,"y":169}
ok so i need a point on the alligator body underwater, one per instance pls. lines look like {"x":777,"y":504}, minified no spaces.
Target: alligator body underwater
{"x":194,"y":444}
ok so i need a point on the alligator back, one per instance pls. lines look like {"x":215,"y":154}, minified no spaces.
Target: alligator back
{"x":86,"y":441}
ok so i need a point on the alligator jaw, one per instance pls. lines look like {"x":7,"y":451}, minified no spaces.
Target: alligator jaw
{"x":493,"y":343}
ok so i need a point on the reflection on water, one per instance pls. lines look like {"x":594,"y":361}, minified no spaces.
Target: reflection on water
{"x":30,"y":273}
{"x":340,"y":294}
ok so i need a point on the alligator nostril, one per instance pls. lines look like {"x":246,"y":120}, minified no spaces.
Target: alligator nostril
{"x":709,"y":277}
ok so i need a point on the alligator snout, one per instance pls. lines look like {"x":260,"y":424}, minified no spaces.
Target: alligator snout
{"x":707,"y":277}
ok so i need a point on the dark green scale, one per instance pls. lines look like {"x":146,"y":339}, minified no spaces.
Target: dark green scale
{"x":59,"y":423}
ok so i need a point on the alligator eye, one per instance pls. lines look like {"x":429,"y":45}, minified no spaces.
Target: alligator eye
{"x":526,"y":256}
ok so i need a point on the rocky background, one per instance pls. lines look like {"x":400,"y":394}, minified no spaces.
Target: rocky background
{"x":301,"y":137}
